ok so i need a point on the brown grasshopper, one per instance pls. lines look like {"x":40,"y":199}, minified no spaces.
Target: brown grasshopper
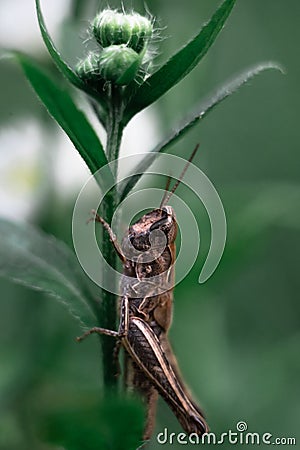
{"x":146,"y":314}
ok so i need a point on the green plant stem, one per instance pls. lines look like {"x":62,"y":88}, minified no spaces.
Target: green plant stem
{"x":108,"y":310}
{"x":108,"y":306}
{"x":114,"y":126}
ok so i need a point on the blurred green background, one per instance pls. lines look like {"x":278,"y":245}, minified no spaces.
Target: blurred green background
{"x":237,"y":336}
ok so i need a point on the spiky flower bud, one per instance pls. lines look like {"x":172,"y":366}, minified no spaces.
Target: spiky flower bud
{"x":88,"y":69}
{"x":113,"y":28}
{"x":119,"y":64}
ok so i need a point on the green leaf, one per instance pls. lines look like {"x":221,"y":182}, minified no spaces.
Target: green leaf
{"x":63,"y":109}
{"x":41,"y":262}
{"x":61,"y":64}
{"x":180,"y":64}
{"x":66,"y":70}
{"x":208,"y":105}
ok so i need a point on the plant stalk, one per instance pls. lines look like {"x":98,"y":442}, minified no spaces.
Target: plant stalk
{"x":108,"y":308}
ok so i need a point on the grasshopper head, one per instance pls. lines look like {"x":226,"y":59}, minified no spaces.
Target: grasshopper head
{"x":162,"y":219}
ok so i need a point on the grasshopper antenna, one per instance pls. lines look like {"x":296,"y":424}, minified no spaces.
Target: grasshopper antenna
{"x":167,"y":197}
{"x":166,"y":191}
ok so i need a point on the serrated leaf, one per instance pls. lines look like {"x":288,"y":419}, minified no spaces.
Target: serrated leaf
{"x":41,"y":262}
{"x":65,"y":69}
{"x":180,"y":64}
{"x":205,"y":107}
{"x":62,"y":108}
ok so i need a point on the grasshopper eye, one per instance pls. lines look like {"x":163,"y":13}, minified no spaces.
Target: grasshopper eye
{"x":159,"y":223}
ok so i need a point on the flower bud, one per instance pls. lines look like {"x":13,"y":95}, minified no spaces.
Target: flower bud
{"x":119,"y":64}
{"x":141,"y":31}
{"x":88,"y":69}
{"x":114,"y":28}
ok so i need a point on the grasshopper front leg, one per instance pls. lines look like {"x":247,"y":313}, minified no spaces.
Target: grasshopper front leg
{"x":112,"y":236}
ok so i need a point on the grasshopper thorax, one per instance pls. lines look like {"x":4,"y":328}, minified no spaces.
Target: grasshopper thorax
{"x":162,"y":219}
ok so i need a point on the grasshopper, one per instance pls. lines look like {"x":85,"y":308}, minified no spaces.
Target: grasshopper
{"x":146,"y":315}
